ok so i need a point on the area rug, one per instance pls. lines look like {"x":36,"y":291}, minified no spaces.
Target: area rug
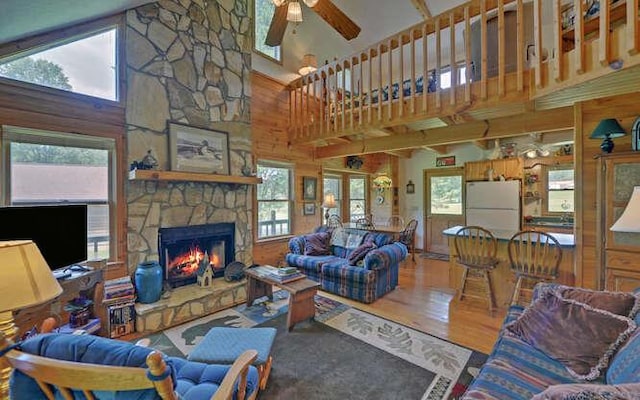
{"x":435,"y":256}
{"x":344,"y":353}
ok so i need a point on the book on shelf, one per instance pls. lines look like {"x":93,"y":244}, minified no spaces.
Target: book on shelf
{"x":121,"y":319}
{"x":118,"y":290}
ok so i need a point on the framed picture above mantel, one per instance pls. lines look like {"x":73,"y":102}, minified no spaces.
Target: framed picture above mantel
{"x":193,"y":149}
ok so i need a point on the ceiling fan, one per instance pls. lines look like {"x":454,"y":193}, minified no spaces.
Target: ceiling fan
{"x":290,"y":10}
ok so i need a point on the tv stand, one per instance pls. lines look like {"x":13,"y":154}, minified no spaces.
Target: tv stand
{"x":87,"y":283}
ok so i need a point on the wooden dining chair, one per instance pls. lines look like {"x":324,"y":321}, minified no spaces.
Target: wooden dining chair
{"x":395,"y":220}
{"x":365,"y":223}
{"x":535,"y":257}
{"x":334,"y":221}
{"x":476,"y":250}
{"x":407,"y":237}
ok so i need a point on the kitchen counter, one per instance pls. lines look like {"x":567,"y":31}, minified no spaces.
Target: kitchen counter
{"x":502,"y":278}
{"x":565,"y":239}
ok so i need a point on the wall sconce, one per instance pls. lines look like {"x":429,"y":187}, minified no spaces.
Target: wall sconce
{"x":629,"y":221}
{"x":411,"y":188}
{"x":607,"y":129}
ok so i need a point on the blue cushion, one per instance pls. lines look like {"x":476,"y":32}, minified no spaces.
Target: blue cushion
{"x":625,"y":365}
{"x":196,"y":381}
{"x":223,"y":345}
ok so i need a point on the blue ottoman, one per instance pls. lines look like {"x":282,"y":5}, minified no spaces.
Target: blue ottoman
{"x":224,"y":345}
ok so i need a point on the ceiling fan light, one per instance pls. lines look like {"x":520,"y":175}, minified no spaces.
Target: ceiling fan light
{"x":278,"y":3}
{"x":311,"y":3}
{"x":294,"y":12}
{"x":309,"y":64}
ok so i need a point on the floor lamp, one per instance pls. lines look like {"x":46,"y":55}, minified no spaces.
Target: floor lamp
{"x":629,"y":221}
{"x":25,"y":281}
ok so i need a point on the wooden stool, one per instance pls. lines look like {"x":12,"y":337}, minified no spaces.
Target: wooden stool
{"x":223,"y":345}
{"x":476,"y":250}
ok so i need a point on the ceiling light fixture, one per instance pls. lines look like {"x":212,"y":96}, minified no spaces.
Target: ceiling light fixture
{"x":278,"y":3}
{"x":311,"y":3}
{"x":294,"y":12}
{"x":309,"y":64}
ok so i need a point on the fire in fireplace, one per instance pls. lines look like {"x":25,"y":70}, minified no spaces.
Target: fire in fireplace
{"x":184,"y":249}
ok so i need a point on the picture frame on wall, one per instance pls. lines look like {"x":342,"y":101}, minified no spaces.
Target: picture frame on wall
{"x":309,"y":187}
{"x":193,"y":149}
{"x":309,"y":209}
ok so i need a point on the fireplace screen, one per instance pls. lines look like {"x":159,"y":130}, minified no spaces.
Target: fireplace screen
{"x":183,"y":250}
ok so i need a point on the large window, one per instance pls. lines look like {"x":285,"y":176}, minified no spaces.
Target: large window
{"x":84,"y":64}
{"x":263,"y":12}
{"x":333,"y":185}
{"x":560,"y":185}
{"x":45,"y":167}
{"x":274,"y":200}
{"x":357,"y":197}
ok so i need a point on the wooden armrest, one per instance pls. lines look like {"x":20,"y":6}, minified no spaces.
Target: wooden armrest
{"x":240,"y":368}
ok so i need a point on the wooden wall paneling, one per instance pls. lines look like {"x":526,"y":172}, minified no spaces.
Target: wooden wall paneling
{"x":520,"y":45}
{"x":484,"y":50}
{"x":633,"y":31}
{"x":578,"y":6}
{"x":604,"y":35}
{"x":452,"y":60}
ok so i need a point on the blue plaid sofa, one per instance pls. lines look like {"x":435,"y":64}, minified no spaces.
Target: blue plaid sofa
{"x":377,"y":276}
{"x":516,"y":370}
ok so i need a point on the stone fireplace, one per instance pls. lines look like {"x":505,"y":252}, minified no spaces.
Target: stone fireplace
{"x":183,"y":249}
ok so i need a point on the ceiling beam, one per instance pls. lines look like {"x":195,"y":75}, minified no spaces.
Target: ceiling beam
{"x":401,"y":153}
{"x":481,"y":144}
{"x":521,"y":124}
{"x":443,"y":149}
{"x":422,"y":8}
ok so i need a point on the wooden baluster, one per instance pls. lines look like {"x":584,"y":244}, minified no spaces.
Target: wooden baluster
{"x":291,"y":107}
{"x":307,"y":116}
{"x":361,"y":90}
{"x":633,"y":33}
{"x":380,"y":82}
{"x":413,"y":73}
{"x":483,"y":49}
{"x":370,"y":88}
{"x":353,"y":95}
{"x":425,"y":66}
{"x":558,"y":62}
{"x":452,"y":59}
{"x":578,"y":36}
{"x":520,"y":46}
{"x":537,"y":32}
{"x":401,"y":78}
{"x":390,"y":78}
{"x":604,"y":55}
{"x":301,"y":110}
{"x":295,"y":113}
{"x":502,"y":59}
{"x":324,"y":105}
{"x":336,"y":104}
{"x":467,"y":55}
{"x":314,"y":109}
{"x":344,"y":94}
{"x":438,"y":63}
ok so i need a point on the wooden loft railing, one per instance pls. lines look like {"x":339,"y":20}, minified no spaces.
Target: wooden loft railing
{"x":395,"y":81}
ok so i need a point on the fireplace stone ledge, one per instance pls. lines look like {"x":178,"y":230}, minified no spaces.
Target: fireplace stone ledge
{"x":187,"y":303}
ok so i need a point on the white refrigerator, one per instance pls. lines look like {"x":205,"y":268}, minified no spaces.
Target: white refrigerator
{"x":493,"y":205}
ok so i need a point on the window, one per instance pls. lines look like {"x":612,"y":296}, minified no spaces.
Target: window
{"x":84,"y":64}
{"x":357,"y":197}
{"x":560,"y":185}
{"x":445,"y":77}
{"x":333,"y":185}
{"x":263,"y":12}
{"x":446,"y":195}
{"x":274,"y":200}
{"x":51,"y":167}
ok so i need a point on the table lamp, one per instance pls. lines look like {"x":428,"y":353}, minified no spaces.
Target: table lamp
{"x":629,"y":221}
{"x":607,"y":129}
{"x":329,"y":202}
{"x":25,"y":281}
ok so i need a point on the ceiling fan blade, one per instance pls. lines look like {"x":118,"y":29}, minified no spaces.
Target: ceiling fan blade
{"x":277,"y":27}
{"x":337,"y":19}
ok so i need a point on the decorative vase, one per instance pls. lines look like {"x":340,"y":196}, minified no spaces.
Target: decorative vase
{"x":148,"y":281}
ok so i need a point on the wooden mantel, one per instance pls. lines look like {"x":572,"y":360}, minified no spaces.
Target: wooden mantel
{"x":176,"y":176}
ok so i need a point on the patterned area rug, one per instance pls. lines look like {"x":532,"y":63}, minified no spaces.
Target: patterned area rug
{"x":346,"y":341}
{"x":435,"y":256}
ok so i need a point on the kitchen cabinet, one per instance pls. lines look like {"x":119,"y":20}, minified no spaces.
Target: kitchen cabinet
{"x":510,"y":168}
{"x":619,"y":251}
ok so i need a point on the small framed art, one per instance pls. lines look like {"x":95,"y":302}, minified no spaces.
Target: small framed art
{"x":309,"y":209}
{"x":309,"y":188}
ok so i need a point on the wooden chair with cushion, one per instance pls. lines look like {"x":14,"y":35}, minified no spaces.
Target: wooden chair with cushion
{"x":476,"y":250}
{"x":535,"y":257}
{"x":407,"y":237}
{"x":53,"y":375}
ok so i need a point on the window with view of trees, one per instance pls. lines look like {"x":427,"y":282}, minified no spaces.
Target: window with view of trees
{"x":446,"y":195}
{"x":357,"y":197}
{"x":85,"y":64}
{"x":560,"y":185}
{"x":263,"y":12}
{"x":332,"y":184}
{"x":274,"y":200}
{"x":51,"y":168}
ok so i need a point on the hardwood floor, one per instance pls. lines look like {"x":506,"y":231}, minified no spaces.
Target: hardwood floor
{"x":423,"y":301}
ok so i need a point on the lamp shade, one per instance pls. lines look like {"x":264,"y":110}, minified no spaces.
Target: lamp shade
{"x":25,"y":277}
{"x":608,"y":128}
{"x":329,"y":201}
{"x":278,"y":3}
{"x":309,"y":64}
{"x":294,"y":12}
{"x":629,"y":221}
{"x":311,"y":3}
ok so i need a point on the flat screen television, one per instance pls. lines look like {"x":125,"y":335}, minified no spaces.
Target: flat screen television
{"x":59,"y":231}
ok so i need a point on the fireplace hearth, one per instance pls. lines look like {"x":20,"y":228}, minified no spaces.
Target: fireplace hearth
{"x":183,"y":249}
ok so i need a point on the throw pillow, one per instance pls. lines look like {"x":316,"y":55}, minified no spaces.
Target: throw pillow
{"x":577,"y":391}
{"x":620,"y":303}
{"x":317,"y":244}
{"x":359,"y":253}
{"x":579,"y":336}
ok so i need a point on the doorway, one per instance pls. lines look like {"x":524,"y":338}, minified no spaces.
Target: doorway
{"x":443,"y":194}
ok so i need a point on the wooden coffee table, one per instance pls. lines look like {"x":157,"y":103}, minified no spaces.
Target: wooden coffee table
{"x":301,"y":292}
